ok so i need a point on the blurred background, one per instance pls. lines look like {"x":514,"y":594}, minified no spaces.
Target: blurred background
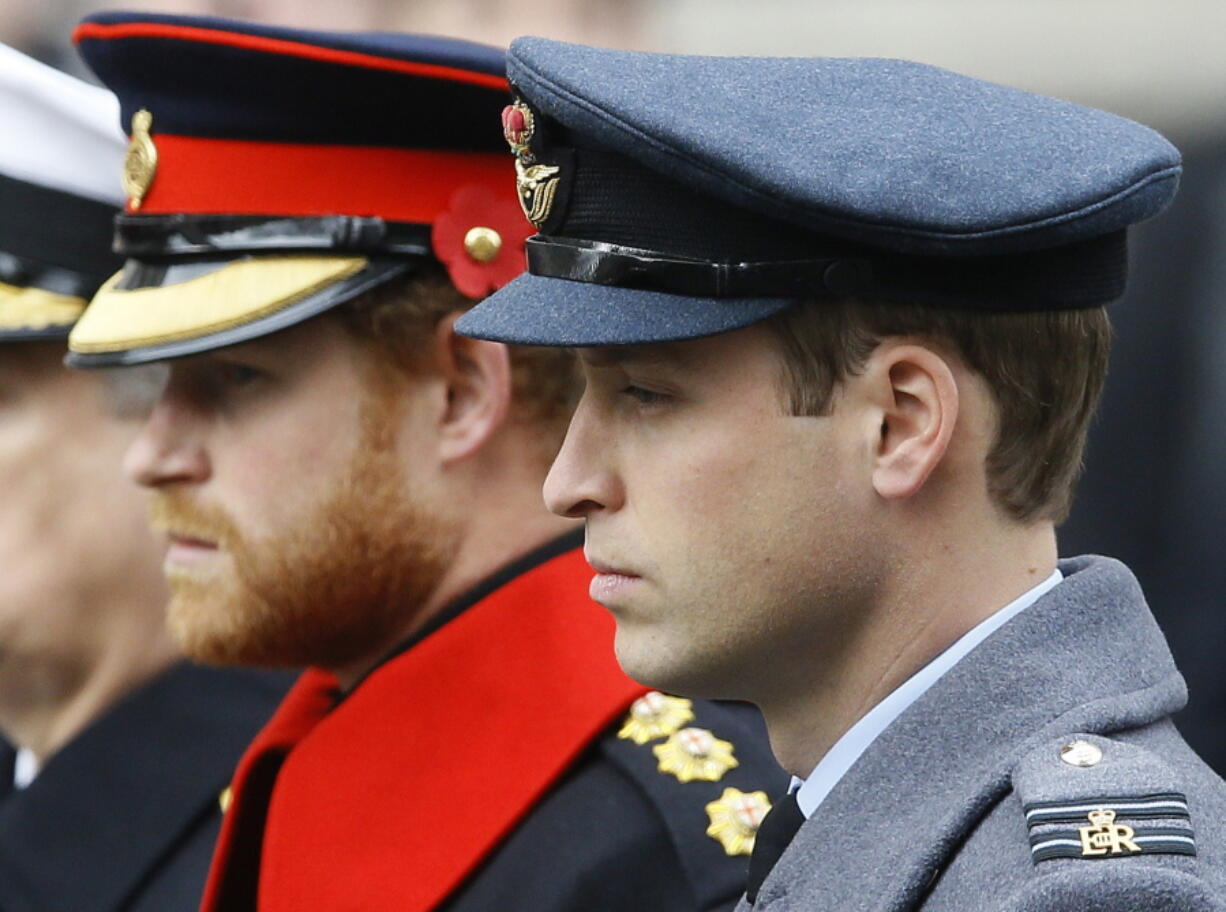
{"x":1155,"y":490}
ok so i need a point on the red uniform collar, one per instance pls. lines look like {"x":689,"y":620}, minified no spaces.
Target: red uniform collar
{"x":393,"y":798}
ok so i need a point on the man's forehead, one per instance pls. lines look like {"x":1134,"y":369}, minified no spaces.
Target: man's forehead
{"x":621,"y":355}
{"x":706,"y":352}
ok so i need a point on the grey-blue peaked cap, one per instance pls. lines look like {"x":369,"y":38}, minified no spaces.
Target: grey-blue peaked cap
{"x":914,"y":174}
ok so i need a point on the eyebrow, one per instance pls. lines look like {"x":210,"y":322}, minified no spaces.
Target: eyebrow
{"x":611,"y":356}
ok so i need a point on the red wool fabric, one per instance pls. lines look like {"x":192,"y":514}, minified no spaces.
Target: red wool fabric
{"x":243,"y":177}
{"x":392,"y":798}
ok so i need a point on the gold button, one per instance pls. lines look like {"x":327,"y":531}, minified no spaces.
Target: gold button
{"x":482,"y":244}
{"x":225,"y":799}
{"x":1081,"y":753}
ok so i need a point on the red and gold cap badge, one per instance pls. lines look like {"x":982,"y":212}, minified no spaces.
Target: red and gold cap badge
{"x":537,"y":183}
{"x":518,"y":125}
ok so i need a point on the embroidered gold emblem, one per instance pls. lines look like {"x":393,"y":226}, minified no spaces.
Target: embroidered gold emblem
{"x":654,"y":715}
{"x":1106,"y":837}
{"x":140,"y":163}
{"x":695,"y":753}
{"x":538,"y":184}
{"x":735,"y":818}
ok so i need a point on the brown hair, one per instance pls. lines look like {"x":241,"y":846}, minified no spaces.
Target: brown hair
{"x":1045,"y":370}
{"x":396,"y":316}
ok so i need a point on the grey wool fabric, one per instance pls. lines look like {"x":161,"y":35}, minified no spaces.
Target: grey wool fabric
{"x":934,"y":815}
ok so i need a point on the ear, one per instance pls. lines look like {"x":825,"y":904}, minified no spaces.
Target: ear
{"x":917,"y":393}
{"x":477,"y":379}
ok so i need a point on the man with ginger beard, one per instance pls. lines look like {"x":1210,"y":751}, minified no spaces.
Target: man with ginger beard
{"x":344,"y":483}
{"x":110,"y":801}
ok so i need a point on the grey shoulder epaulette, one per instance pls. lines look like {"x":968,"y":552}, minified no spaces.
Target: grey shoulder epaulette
{"x":1109,"y":825}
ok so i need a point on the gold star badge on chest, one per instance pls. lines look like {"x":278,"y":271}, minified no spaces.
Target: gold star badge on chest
{"x":735,"y":817}
{"x":655,"y":715}
{"x":695,"y":754}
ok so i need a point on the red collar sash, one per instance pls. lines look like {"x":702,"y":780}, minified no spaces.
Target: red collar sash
{"x":391,"y":800}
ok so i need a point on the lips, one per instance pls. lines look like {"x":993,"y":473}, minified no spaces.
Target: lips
{"x":189,"y":541}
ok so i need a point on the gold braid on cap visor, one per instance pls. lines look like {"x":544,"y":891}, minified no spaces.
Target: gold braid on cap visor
{"x":238,"y":293}
{"x":34,"y":308}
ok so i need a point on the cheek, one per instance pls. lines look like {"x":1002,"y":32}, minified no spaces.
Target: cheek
{"x":265,"y":475}
{"x":714,"y":491}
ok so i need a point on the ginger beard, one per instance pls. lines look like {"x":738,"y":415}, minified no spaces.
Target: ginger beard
{"x":343,"y":583}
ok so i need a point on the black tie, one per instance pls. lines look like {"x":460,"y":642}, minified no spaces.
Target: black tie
{"x":775,"y":833}
{"x":8,"y":767}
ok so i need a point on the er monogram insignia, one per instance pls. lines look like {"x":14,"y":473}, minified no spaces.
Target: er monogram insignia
{"x":1106,"y":837}
{"x":735,"y":818}
{"x":141,"y":161}
{"x":695,"y":753}
{"x":655,"y":715}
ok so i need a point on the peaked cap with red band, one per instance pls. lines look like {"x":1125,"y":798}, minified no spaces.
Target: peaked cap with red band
{"x":275,"y":173}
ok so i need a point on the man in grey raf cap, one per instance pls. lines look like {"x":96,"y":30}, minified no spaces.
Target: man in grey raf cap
{"x":843,"y":328}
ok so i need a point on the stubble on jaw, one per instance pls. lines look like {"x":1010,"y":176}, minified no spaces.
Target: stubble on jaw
{"x":344,"y":583}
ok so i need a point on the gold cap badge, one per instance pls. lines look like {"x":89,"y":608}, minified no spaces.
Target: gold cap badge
{"x":695,"y":753}
{"x":538,"y":185}
{"x":735,"y":817}
{"x":141,"y":161}
{"x":655,"y":715}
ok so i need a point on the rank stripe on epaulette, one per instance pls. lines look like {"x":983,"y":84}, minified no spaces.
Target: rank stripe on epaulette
{"x":1168,"y":805}
{"x":1064,"y":846}
{"x":1153,"y":834}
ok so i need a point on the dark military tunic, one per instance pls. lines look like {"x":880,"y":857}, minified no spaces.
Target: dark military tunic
{"x":490,"y":764}
{"x":124,"y":817}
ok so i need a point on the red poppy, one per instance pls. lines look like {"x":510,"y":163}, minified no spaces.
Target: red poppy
{"x":480,"y":239}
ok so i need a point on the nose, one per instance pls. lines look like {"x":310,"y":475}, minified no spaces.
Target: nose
{"x":168,"y":449}
{"x":582,"y":480}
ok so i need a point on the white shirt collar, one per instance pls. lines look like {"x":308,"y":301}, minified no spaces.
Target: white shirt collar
{"x":831,"y":768}
{"x":25,"y":767}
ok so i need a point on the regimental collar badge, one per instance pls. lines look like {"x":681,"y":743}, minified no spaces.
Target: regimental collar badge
{"x":141,"y":161}
{"x":655,"y":715}
{"x":695,"y":754}
{"x":537,"y":183}
{"x":735,"y":817}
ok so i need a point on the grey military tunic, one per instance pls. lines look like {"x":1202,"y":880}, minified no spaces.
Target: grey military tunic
{"x":1042,"y":773}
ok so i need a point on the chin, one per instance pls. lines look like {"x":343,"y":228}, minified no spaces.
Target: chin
{"x":655,"y":662}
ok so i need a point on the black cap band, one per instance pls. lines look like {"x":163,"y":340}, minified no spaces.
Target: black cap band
{"x":56,"y":233}
{"x":1087,"y":274}
{"x":180,"y":235}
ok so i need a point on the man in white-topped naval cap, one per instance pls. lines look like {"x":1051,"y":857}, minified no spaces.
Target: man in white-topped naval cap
{"x":109,"y":795}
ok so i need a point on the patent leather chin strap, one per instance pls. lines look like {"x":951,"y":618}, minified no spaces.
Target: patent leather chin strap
{"x":598,"y":263}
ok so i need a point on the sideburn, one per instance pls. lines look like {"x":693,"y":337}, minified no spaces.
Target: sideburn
{"x":351,"y":580}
